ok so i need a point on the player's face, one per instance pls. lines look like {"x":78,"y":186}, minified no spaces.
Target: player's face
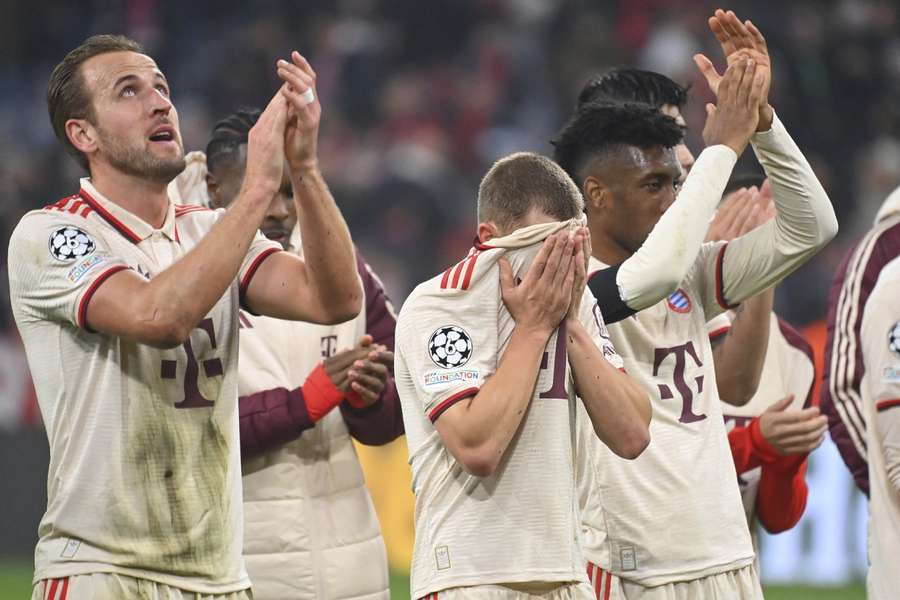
{"x":281,"y":217}
{"x":681,"y":150}
{"x":644,"y":186}
{"x":135,"y":122}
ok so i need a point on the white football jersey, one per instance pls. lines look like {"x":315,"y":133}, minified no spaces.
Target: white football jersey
{"x":788,"y":369}
{"x":674,"y":513}
{"x":144,"y":476}
{"x":520,"y":524}
{"x":880,"y":338}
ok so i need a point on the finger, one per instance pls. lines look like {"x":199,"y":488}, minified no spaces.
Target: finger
{"x":759,"y":41}
{"x":746,"y":86}
{"x":372,"y":368}
{"x":548,"y":274}
{"x":708,"y":70}
{"x":722,"y":36}
{"x":565,"y":261}
{"x":299,"y":60}
{"x":539,"y":264}
{"x":728,"y":20}
{"x":757,"y":89}
{"x":294,"y":76}
{"x":507,"y":285}
{"x":299,"y":102}
{"x":766,"y":189}
{"x":369,"y":396}
{"x":385,"y":357}
{"x":365,"y":341}
{"x":369,"y":382}
{"x":781,"y":405}
{"x":745,"y":39}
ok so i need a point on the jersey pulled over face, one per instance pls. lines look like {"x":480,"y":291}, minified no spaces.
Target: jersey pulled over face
{"x":674,"y":513}
{"x":520,"y":524}
{"x":144,"y":475}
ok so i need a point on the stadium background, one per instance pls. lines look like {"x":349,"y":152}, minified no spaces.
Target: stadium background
{"x":419,"y":98}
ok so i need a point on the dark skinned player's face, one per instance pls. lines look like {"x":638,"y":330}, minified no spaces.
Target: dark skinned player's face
{"x":281,"y":216}
{"x":641,"y":185}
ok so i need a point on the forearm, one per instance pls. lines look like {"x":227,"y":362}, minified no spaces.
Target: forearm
{"x":480,"y":428}
{"x":803,"y":224}
{"x":327,"y":246}
{"x":378,"y":424}
{"x":617,"y":406}
{"x":781,"y":497}
{"x":739,"y":355}
{"x":271,"y":418}
{"x":644,"y":279}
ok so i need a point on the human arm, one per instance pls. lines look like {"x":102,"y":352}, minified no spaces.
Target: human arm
{"x":381,"y":420}
{"x":163,"y":311}
{"x":740,"y":352}
{"x":617,"y":406}
{"x":322,"y":287}
{"x":643,"y":279}
{"x":477,"y":428}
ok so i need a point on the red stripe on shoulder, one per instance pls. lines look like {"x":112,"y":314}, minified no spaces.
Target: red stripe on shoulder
{"x":469,"y":270}
{"x":184,"y":209}
{"x":446,"y":278}
{"x":59,"y":204}
{"x":441,"y":408}
{"x":886,"y":404}
{"x":89,"y":293}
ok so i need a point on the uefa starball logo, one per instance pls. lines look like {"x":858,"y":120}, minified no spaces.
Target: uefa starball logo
{"x":450,"y":347}
{"x":894,"y":339}
{"x":69,"y":243}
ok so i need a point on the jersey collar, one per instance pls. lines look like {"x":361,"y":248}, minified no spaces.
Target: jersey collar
{"x":126,"y":223}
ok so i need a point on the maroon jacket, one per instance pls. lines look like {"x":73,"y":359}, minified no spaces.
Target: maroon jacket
{"x":271,"y":418}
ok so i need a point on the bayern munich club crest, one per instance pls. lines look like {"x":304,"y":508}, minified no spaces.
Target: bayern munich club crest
{"x":679,"y":301}
{"x":450,"y":347}
{"x":69,"y":243}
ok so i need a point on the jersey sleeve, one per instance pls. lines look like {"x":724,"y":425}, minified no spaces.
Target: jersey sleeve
{"x":260,"y":249}
{"x":591,"y":318}
{"x":804,"y":223}
{"x":881,"y":353}
{"x":56,"y":264}
{"x":447,"y":350}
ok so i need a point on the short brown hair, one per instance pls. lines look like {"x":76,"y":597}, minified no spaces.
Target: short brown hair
{"x":524,"y":181}
{"x":67,"y":96}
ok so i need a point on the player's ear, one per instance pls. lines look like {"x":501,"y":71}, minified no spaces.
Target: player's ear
{"x":82,"y":135}
{"x":213,"y":189}
{"x":487,"y":231}
{"x":596,"y":195}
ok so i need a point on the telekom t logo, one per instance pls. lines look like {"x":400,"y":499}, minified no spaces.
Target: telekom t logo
{"x":681,"y":385}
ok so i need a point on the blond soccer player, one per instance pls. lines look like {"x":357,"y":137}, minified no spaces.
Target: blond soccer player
{"x":128,"y":308}
{"x":488,"y":371}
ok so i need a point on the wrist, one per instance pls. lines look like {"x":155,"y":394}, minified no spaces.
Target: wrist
{"x":534,"y":333}
{"x":766,"y":452}
{"x":304,"y":169}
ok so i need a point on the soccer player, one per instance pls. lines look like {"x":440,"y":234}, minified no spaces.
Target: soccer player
{"x":670,"y":524}
{"x":772,"y":435}
{"x":128,"y":309}
{"x":848,"y":300}
{"x":880,"y":345}
{"x":739,"y":355}
{"x":487,"y":371}
{"x":304,"y":393}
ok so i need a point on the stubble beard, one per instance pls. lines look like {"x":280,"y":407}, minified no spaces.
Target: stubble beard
{"x":140,"y":161}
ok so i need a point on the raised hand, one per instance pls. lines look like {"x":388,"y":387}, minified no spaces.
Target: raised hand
{"x":744,"y":210}
{"x":734,"y":118}
{"x":581,"y":260}
{"x":543,"y":297}
{"x":302,"y":131}
{"x":793,"y":431}
{"x":265,"y":146}
{"x":739,"y":41}
{"x":368,"y":376}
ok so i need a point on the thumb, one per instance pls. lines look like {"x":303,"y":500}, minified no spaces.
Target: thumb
{"x":506,"y":277}
{"x":710,"y":110}
{"x":708,"y":70}
{"x":365,"y":341}
{"x":781,"y":405}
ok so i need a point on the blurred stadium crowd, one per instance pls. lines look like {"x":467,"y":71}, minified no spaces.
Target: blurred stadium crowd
{"x":420,"y":98}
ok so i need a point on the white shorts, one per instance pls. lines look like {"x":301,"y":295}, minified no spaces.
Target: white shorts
{"x":571,"y":591}
{"x":112,"y":586}
{"x":739,"y":584}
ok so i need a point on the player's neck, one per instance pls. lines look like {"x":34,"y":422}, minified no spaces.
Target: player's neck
{"x":607,"y":250}
{"x":146,"y":199}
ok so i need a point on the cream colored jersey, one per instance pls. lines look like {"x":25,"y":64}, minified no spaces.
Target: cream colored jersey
{"x":788,"y":370}
{"x":675,"y":513}
{"x":880,"y":339}
{"x":144,"y":475}
{"x":519,"y":525}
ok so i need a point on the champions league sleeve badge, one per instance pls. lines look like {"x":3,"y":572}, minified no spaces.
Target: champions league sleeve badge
{"x":69,"y":243}
{"x":450,"y":347}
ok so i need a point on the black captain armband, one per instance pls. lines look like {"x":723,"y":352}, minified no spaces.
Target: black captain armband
{"x":603,"y":286}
